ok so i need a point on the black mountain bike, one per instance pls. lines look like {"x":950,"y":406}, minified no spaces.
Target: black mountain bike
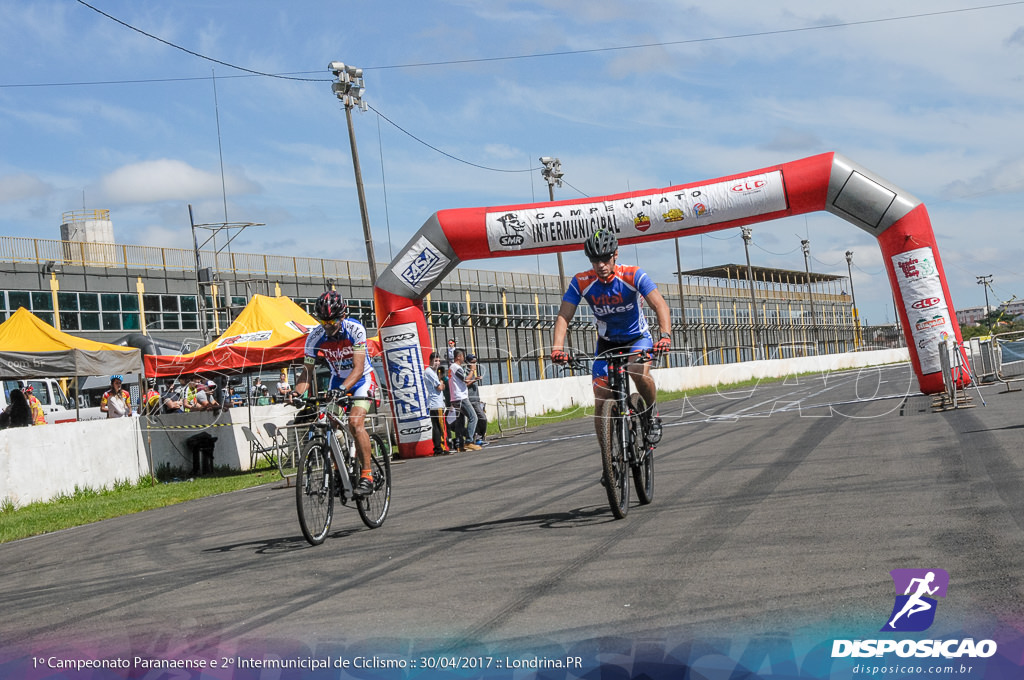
{"x":328,"y":469}
{"x":621,"y":432}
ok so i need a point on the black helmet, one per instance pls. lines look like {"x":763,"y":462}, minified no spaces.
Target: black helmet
{"x":600,"y":245}
{"x":330,"y":306}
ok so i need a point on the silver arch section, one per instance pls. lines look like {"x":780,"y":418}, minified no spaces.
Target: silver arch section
{"x":425,"y":260}
{"x":863,"y":198}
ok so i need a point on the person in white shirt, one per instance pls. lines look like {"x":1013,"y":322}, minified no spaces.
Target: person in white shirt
{"x":435,"y":403}
{"x":465,"y":426}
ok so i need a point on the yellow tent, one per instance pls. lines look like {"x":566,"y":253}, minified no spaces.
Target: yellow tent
{"x":32,"y":348}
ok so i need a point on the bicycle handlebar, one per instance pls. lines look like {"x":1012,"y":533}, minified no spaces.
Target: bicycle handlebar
{"x":331,"y":396}
{"x":645,"y":355}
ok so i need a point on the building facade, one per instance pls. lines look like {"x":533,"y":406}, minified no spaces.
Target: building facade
{"x":182,"y":299}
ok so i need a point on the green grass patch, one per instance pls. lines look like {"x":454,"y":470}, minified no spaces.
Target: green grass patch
{"x":85,"y":506}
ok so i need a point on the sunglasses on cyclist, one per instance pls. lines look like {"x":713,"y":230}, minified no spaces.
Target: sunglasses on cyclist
{"x":329,"y":323}
{"x":601,"y":260}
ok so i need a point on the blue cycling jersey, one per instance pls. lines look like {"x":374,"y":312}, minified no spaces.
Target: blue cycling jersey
{"x":617,"y":304}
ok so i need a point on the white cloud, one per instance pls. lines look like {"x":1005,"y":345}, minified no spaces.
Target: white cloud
{"x":168,"y":180}
{"x":21,"y":186}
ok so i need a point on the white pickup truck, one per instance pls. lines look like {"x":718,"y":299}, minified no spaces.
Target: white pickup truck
{"x":56,"y":405}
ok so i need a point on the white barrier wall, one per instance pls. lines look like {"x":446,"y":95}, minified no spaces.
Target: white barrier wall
{"x":40,"y":463}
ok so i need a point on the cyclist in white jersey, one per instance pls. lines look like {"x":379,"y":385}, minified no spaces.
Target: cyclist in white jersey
{"x":342,"y":342}
{"x":616,"y":293}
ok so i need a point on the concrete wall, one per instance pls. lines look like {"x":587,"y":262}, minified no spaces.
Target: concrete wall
{"x":40,"y":463}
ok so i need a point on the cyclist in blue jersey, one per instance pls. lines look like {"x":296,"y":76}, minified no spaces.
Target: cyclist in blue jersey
{"x":342,"y":342}
{"x":616,"y":293}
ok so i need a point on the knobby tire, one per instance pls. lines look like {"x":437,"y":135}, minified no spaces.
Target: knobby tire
{"x":643,"y":471}
{"x":613,"y":457}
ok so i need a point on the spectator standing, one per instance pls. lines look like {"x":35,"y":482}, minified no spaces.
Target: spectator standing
{"x":116,"y":402}
{"x":38,"y":415}
{"x":435,"y":403}
{"x":284,"y":389}
{"x":256,"y":391}
{"x":451,"y":351}
{"x":473,"y":379}
{"x":18,"y":413}
{"x":449,"y":441}
{"x":465,"y":426}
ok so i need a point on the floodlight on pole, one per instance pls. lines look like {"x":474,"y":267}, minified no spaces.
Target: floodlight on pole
{"x":348,"y":87}
{"x":756,"y":330}
{"x":853,"y":296}
{"x":986,"y":281}
{"x":805,"y":244}
{"x":552,"y":174}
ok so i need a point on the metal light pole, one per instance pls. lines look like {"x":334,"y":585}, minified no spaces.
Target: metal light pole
{"x":552,"y":174}
{"x":682,"y":304}
{"x":853,"y":295}
{"x":349,"y":89}
{"x":806,"y":245}
{"x":984,"y":281}
{"x":745,"y":231}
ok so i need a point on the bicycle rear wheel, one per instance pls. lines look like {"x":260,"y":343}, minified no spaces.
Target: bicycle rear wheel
{"x":314,"y":490}
{"x":643,"y":455}
{"x":374,"y":508}
{"x":613,"y":457}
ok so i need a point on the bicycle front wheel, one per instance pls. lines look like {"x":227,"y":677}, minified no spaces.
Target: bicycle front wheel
{"x":613,"y":457}
{"x":643,"y":455}
{"x":314,"y":490}
{"x":374,"y":508}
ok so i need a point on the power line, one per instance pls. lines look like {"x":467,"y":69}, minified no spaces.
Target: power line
{"x":691,"y":41}
{"x":512,"y":57}
{"x":185,"y":49}
{"x":440,"y":151}
{"x":774,"y":253}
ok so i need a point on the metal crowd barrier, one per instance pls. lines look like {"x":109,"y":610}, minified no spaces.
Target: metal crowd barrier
{"x":512,"y":415}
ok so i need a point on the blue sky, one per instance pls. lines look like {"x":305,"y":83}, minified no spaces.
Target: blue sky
{"x":925,"y":93}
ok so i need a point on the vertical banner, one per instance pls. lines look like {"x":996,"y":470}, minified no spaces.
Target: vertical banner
{"x":403,"y":337}
{"x":920,"y":288}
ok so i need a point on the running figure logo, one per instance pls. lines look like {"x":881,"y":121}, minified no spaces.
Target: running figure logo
{"x":914,"y":609}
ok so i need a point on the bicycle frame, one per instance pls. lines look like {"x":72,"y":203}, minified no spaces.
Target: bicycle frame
{"x":621,"y":433}
{"x":618,"y":385}
{"x":333,"y":429}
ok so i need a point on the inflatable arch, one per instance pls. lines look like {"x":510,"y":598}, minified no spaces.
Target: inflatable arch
{"x":827,"y":182}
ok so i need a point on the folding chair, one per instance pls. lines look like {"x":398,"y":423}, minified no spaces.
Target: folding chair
{"x":286,"y":453}
{"x":258,"y":450}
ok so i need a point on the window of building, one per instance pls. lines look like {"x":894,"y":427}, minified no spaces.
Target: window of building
{"x":362,"y":311}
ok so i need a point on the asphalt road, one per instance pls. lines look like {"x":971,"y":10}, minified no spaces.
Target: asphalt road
{"x":779,"y":510}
